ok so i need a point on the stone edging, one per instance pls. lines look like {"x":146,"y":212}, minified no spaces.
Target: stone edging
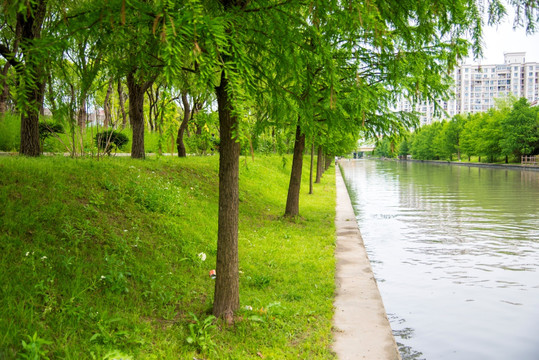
{"x":361,"y":328}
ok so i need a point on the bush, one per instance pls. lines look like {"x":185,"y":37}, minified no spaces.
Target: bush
{"x":109,"y":140}
{"x":46,"y":130}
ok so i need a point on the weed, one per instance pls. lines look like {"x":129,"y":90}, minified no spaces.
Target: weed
{"x":34,"y":349}
{"x":200,"y":336}
{"x":117,"y":355}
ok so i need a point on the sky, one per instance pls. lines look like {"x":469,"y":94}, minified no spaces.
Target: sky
{"x":502,"y":38}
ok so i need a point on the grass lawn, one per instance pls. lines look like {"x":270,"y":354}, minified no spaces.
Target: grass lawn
{"x":103,"y":260}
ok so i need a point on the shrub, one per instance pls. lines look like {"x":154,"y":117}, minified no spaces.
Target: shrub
{"x":46,"y":130}
{"x":109,"y":140}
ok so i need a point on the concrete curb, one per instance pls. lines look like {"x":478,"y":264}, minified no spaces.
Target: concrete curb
{"x":361,"y":328}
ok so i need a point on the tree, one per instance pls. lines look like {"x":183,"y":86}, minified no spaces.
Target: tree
{"x":489,"y":134}
{"x":520,"y":130}
{"x":470,"y":133}
{"x":26,"y":56}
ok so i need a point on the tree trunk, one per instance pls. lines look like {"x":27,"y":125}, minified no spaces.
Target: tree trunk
{"x":136,"y":115}
{"x":226,"y":299}
{"x":30,"y":133}
{"x":328,"y":160}
{"x":122,"y":103}
{"x":107,"y":106}
{"x":186,"y":116}
{"x":81,"y":113}
{"x":292,"y":200}
{"x":311,"y":170}
{"x":319,"y":169}
{"x":30,"y":24}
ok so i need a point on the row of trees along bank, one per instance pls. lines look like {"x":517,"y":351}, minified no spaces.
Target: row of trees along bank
{"x":323,"y":71}
{"x":507,"y":132}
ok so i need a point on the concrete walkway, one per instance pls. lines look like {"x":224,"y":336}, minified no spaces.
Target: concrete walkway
{"x":361,"y":327}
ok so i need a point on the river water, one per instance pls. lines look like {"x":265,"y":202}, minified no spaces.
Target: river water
{"x":455,"y":252}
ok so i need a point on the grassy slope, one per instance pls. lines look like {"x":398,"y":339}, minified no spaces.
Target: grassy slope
{"x":102,"y":255}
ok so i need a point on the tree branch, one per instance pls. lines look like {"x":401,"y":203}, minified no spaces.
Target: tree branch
{"x":9,"y":56}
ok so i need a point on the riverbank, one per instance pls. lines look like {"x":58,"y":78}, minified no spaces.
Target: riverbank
{"x":362,"y":330}
{"x":472,"y":164}
{"x":112,"y":257}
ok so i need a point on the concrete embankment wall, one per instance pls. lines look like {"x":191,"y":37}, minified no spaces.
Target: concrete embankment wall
{"x":361,"y":327}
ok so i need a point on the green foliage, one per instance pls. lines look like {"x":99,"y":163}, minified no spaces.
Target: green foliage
{"x":424,"y":140}
{"x":10,"y":132}
{"x":503,"y":131}
{"x":520,"y":130}
{"x":385,"y":148}
{"x":404,"y":147}
{"x":110,"y":139}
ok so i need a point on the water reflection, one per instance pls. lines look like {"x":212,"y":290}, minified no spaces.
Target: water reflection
{"x":455,"y":251}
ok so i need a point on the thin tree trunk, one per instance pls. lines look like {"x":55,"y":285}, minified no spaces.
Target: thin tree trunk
{"x":319,"y":169}
{"x":186,"y":116}
{"x":81,"y":114}
{"x":292,"y":200}
{"x":107,"y":106}
{"x":226,"y":299}
{"x":4,"y":91}
{"x":50,"y":95}
{"x":328,"y":161}
{"x":122,"y":103}
{"x":41,"y":95}
{"x":136,"y":115}
{"x":311,"y":169}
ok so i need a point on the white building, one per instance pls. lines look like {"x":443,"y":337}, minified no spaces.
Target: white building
{"x":476,"y":86}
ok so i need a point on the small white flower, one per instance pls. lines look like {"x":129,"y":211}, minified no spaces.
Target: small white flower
{"x":103,"y":277}
{"x":27,"y":253}
{"x":125,"y":230}
{"x":43,"y":258}
{"x":202,"y":256}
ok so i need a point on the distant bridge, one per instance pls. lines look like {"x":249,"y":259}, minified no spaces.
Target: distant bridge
{"x":366,"y":148}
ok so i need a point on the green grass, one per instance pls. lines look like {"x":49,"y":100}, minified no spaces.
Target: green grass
{"x":101,"y":258}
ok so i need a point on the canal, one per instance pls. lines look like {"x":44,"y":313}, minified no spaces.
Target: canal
{"x":455,"y":252}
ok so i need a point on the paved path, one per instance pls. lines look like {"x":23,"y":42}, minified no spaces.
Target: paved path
{"x":362,"y":329}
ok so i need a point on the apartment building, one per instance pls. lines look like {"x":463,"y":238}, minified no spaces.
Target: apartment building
{"x":476,"y":86}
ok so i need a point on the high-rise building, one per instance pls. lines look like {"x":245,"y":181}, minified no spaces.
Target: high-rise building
{"x":476,"y":86}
